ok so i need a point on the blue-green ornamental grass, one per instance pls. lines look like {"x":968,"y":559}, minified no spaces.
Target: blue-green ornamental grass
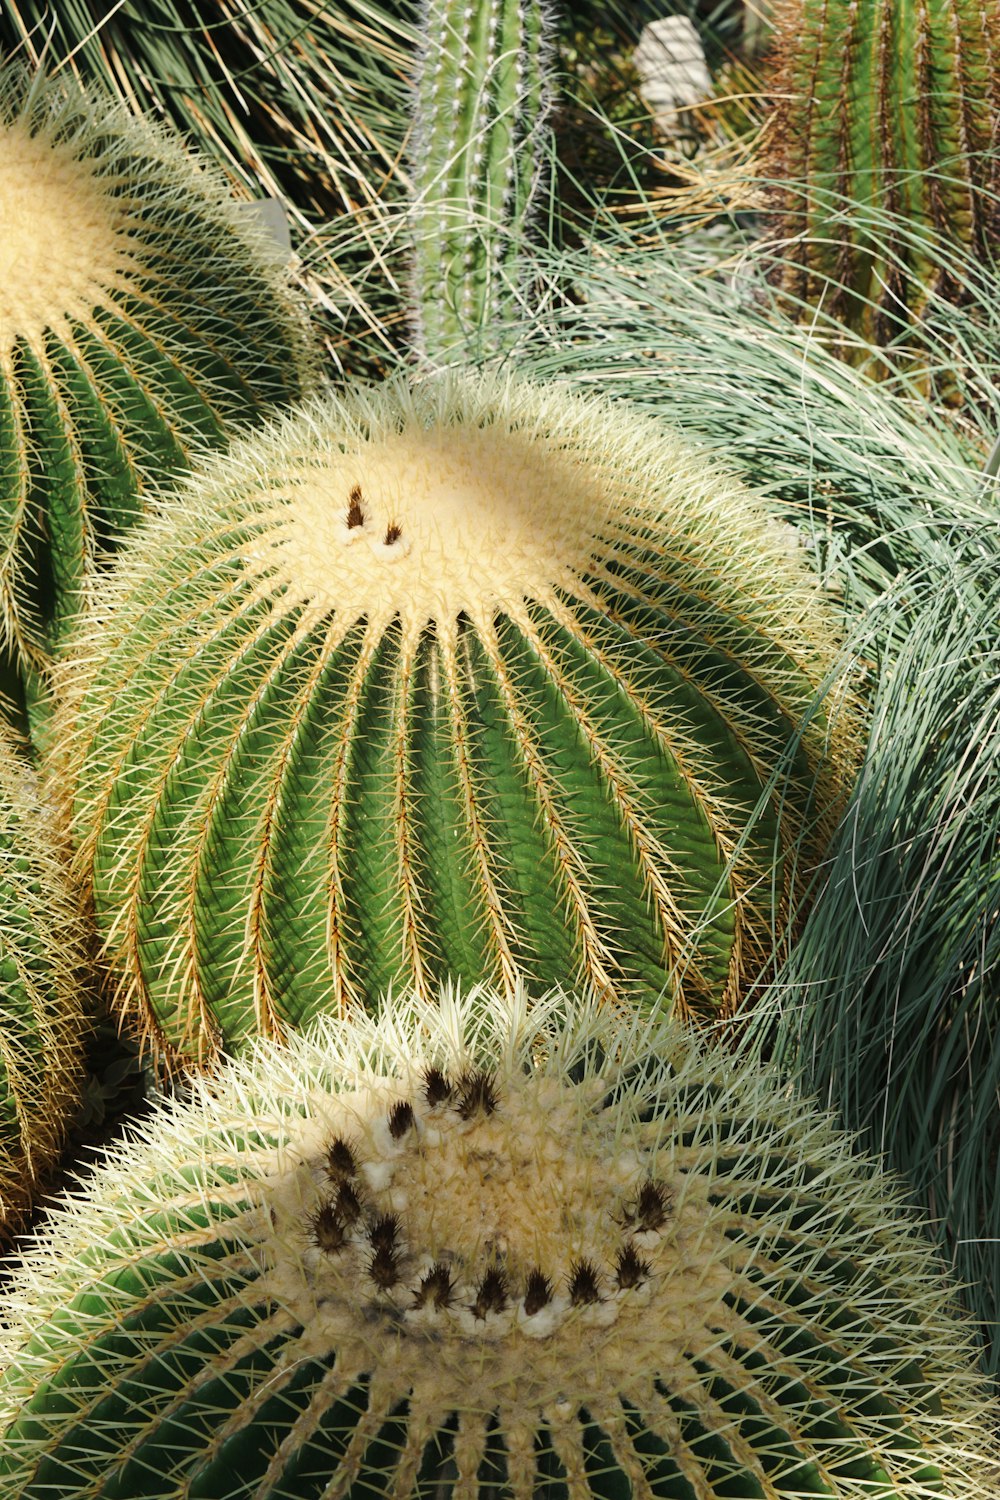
{"x":473,"y":678}
{"x":480,"y":1248}
{"x":141,"y":315}
{"x":887,"y":1005}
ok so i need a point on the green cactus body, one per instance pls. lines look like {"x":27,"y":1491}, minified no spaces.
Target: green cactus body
{"x":470,"y":678}
{"x":140,"y":316}
{"x":42,"y":966}
{"x":485,"y":1248}
{"x":886,"y":113}
{"x":482,"y":98}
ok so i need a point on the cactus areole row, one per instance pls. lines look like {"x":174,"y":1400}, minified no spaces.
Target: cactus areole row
{"x":42,"y":997}
{"x":472,"y":678}
{"x":885,"y":124}
{"x":140,"y":315}
{"x":478,"y":160}
{"x":480,"y":1248}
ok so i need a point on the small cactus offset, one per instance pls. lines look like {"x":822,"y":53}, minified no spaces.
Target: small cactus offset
{"x":42,"y":969}
{"x":482,"y":1248}
{"x":472,"y":678}
{"x":478,"y":159}
{"x":140,"y":315}
{"x":886,"y":111}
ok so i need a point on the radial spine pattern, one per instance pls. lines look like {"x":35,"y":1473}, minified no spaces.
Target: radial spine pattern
{"x":140,"y":315}
{"x":476,"y":678}
{"x":480,"y":1248}
{"x":888,"y":108}
{"x":42,"y":970}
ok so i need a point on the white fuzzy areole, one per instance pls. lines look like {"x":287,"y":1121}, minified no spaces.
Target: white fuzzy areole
{"x":62,"y":246}
{"x":486,"y":517}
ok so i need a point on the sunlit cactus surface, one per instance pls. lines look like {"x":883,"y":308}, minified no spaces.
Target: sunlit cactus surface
{"x":42,"y":970}
{"x":884,"y":127}
{"x":484,"y":1249}
{"x":141,"y":313}
{"x":473,"y":678}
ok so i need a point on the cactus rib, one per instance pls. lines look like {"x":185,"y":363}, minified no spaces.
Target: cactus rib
{"x":883,"y":129}
{"x":141,"y":317}
{"x":483,"y":1244}
{"x":466,"y":678}
{"x":42,"y":970}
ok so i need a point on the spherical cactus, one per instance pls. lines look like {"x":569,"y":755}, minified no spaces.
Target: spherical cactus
{"x":140,"y":314}
{"x":484,"y":1249}
{"x":474,"y":678}
{"x":42,"y":968}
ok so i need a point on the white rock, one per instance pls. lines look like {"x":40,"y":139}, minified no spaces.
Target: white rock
{"x":672,"y":70}
{"x":272,"y":216}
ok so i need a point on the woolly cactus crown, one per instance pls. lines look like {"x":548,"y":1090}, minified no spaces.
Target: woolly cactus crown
{"x":41,"y":990}
{"x":477,"y":1248}
{"x":140,"y":314}
{"x":475,"y":677}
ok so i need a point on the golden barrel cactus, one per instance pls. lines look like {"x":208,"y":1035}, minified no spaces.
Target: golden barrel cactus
{"x":479,"y":1249}
{"x":473,"y":677}
{"x":141,"y":315}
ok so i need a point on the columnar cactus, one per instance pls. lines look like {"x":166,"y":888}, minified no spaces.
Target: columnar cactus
{"x":471,"y":678}
{"x":884,"y":117}
{"x":42,"y":968}
{"x":483,"y":1248}
{"x":478,"y":158}
{"x":140,"y":314}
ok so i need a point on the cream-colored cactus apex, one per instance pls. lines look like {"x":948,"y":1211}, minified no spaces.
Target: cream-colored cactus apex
{"x":481,"y":1246}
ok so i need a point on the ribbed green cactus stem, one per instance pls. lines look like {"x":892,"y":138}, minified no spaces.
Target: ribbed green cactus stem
{"x":486,"y":1248}
{"x":885,"y":114}
{"x":141,"y":315}
{"x":42,"y":978}
{"x":478,"y":159}
{"x":473,"y":677}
